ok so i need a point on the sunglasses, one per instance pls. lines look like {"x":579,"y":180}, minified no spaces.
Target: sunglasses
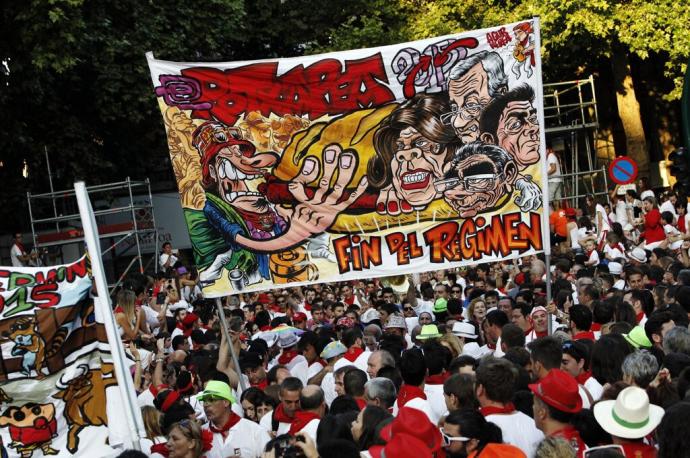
{"x":407,"y":309}
{"x":447,"y":440}
{"x":209,"y":399}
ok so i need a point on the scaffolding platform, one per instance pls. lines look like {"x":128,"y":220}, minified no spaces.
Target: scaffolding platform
{"x":120,"y":224}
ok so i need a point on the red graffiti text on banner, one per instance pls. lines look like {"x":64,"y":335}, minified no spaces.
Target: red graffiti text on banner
{"x":324,"y":87}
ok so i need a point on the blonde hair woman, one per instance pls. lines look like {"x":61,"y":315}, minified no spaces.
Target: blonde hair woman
{"x":128,"y":320}
{"x":186,"y":440}
{"x":152,"y":425}
{"x":453,"y":343}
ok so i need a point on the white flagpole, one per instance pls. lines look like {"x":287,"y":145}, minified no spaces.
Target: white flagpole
{"x":102,"y":304}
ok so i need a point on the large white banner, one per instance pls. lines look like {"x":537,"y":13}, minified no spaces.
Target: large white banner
{"x":362,"y":163}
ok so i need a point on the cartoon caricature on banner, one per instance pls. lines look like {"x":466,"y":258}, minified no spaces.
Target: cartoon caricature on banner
{"x":56,"y":365}
{"x":362,"y":163}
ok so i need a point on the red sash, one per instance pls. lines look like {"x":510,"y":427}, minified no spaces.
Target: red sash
{"x":302,"y":419}
{"x":223,"y":430}
{"x":353,"y":353}
{"x":491,"y":410}
{"x":408,"y":393}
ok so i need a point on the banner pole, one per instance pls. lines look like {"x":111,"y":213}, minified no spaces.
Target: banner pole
{"x":102,"y":304}
{"x":549,"y":278}
{"x":226,"y":332}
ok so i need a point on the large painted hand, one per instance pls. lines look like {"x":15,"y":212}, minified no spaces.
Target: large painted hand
{"x":530,"y":194}
{"x":313,"y":215}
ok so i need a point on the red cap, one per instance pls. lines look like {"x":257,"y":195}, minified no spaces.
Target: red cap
{"x":401,"y":446}
{"x":415,"y":423}
{"x":570,"y":212}
{"x":299,"y":317}
{"x":559,"y":390}
{"x":263,"y":299}
{"x":345,"y":322}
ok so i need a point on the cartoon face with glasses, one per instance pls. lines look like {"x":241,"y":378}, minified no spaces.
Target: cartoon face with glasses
{"x":478,"y":178}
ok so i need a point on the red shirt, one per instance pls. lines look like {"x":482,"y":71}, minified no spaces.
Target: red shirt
{"x":653,"y":228}
{"x":639,"y":450}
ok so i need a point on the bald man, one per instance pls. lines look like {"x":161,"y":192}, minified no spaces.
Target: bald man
{"x":313,"y":404}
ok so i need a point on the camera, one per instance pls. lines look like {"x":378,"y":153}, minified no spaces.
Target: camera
{"x":284,"y":446}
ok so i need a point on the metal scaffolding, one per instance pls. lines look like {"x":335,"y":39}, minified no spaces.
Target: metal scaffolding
{"x":572,"y":119}
{"x":136,"y":219}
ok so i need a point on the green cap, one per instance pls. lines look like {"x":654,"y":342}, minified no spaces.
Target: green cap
{"x":638,"y":338}
{"x":441,"y":305}
{"x":429,"y":331}
{"x":217,"y":389}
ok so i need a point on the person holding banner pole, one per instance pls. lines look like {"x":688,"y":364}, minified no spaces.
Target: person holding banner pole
{"x":102,"y":307}
{"x":226,"y":332}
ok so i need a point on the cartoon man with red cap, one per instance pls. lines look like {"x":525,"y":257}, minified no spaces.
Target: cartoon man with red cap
{"x":237,"y":225}
{"x":556,"y":401}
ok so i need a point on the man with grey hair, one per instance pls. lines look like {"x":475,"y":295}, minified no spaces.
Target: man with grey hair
{"x":377,"y":360}
{"x":474,"y":81}
{"x":639,"y":368}
{"x":380,"y":392}
{"x":677,"y":340}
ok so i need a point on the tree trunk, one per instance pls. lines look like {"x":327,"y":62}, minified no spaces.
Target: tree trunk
{"x":629,"y":111}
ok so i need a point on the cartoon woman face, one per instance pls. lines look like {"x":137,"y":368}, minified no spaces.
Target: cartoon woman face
{"x":417,"y":162}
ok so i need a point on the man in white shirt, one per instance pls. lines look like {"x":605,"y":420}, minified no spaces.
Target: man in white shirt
{"x":18,"y":253}
{"x":669,"y":204}
{"x":281,"y":418}
{"x":167,"y":258}
{"x":232,"y":435}
{"x":495,"y":381}
{"x":555,"y":181}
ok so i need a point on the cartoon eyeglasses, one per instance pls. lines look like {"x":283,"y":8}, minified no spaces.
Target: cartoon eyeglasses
{"x":478,"y":183}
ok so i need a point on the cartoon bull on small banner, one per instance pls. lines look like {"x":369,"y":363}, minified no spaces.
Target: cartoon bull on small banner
{"x":84,"y":397}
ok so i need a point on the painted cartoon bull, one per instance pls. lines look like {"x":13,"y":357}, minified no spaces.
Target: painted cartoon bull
{"x":84,"y":397}
{"x":32,"y":426}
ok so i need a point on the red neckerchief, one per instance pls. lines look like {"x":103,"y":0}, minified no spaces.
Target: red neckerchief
{"x":223,"y":431}
{"x":161,"y":449}
{"x":20,"y":245}
{"x":408,"y":393}
{"x":491,"y":346}
{"x":350,"y":300}
{"x":302,"y":419}
{"x":583,"y":377}
{"x":287,"y":356}
{"x":353,"y":353}
{"x":261,"y":385}
{"x":307,"y":306}
{"x":596,"y":327}
{"x":541,"y":333}
{"x":361,"y":403}
{"x":492,"y":410}
{"x":437,"y":379}
{"x":528,"y":331}
{"x":118,"y":309}
{"x":589,"y":335}
{"x":639,"y":317}
{"x":280,"y":415}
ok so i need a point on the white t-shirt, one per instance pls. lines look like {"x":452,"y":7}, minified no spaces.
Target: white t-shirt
{"x":556,"y":176}
{"x":437,"y":402}
{"x":668,"y":207}
{"x":621,"y":211}
{"x":164,"y":258}
{"x":15,"y":252}
{"x":246,"y":437}
{"x":518,"y":430}
{"x":613,"y":252}
{"x":593,"y":259}
{"x":267,"y":423}
{"x":600,"y":210}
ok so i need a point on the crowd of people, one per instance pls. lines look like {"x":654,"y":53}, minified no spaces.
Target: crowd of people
{"x":463,"y":362}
